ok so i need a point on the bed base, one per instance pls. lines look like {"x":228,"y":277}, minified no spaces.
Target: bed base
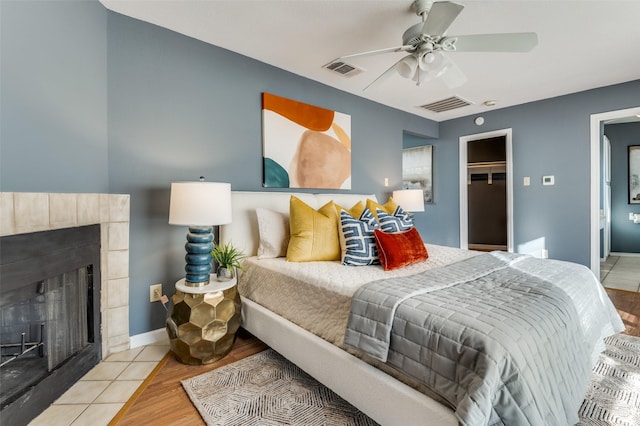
{"x":378,"y":395}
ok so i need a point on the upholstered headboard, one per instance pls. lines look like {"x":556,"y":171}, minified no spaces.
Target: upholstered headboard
{"x":243,"y":230}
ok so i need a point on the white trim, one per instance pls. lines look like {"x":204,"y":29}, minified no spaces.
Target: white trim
{"x":464,"y":206}
{"x":622,"y":254}
{"x":594,"y":207}
{"x":149,"y":338}
{"x":606,"y":194}
{"x":464,"y":220}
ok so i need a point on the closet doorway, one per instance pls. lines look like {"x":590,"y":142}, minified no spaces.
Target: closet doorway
{"x":486,"y":191}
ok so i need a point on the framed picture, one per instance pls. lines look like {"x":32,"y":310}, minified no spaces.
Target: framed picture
{"x":304,"y":146}
{"x":417,"y":170}
{"x":634,"y":174}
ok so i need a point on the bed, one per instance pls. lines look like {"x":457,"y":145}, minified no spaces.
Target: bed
{"x":321,"y":336}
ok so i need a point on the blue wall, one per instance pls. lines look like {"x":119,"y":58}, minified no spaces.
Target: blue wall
{"x":625,"y":235}
{"x":550,"y":137}
{"x":180,"y":108}
{"x":54,"y":97}
{"x":428,"y":221}
{"x":93,"y":101}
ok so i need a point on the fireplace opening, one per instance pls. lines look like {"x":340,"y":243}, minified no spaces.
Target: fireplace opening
{"x":49,"y":317}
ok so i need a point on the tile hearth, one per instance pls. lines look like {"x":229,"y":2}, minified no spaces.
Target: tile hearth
{"x":104,"y":390}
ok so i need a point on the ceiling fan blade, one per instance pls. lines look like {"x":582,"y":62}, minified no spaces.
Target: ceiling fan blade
{"x":451,"y":75}
{"x":385,"y":75}
{"x":440,"y":17}
{"x":376,"y":52}
{"x":508,"y":42}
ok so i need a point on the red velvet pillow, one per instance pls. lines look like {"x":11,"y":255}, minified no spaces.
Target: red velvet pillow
{"x":400,"y":249}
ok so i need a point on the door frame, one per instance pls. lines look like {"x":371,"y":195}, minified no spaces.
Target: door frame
{"x":606,"y":197}
{"x":595,"y":180}
{"x":464,"y":207}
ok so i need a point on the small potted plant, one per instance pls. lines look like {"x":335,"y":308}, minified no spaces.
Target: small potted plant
{"x":228,"y":259}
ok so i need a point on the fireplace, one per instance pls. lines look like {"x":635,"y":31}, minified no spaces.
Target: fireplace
{"x":100,"y":272}
{"x":50,"y":316}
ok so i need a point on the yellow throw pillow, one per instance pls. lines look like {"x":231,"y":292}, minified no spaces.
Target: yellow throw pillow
{"x":354,"y":211}
{"x":389,"y":207}
{"x":314,"y":234}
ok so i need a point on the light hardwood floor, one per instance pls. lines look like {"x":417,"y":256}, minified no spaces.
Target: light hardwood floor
{"x":163,"y":401}
{"x":628,"y":305}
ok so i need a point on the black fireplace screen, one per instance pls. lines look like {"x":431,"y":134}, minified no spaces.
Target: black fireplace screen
{"x":41,"y":326}
{"x":67,"y":313}
{"x":50,"y":324}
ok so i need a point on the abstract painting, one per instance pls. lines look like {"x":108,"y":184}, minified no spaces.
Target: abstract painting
{"x":304,"y":146}
{"x":417,"y":170}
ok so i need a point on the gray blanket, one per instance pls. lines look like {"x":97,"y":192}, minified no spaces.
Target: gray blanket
{"x":505,"y":338}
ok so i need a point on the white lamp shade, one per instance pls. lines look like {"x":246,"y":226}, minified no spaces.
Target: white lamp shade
{"x":411,"y":200}
{"x":200,"y":203}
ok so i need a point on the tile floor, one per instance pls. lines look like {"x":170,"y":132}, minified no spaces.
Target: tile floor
{"x":621,"y":272}
{"x":100,"y":394}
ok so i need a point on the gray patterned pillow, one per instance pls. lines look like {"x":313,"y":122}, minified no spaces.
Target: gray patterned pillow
{"x":360,"y":242}
{"x":400,"y":221}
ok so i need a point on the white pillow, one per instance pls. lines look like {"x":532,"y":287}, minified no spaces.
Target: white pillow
{"x":274,"y":233}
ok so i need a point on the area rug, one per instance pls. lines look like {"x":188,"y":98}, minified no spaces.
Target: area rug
{"x":266,"y":389}
{"x":613,"y":397}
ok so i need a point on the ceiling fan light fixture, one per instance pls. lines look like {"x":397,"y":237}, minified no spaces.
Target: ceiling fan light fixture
{"x":438,"y":62}
{"x":407,"y":67}
{"x":422,"y":75}
{"x":429,"y":58}
{"x":442,"y":69}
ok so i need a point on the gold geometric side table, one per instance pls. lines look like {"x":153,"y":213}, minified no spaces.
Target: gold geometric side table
{"x":203,"y":321}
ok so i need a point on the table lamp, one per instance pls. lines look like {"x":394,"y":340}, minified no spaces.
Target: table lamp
{"x":411,"y":200}
{"x":200,"y":206}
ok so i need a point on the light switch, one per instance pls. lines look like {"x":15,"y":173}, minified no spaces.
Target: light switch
{"x":548,"y":180}
{"x":526,"y":181}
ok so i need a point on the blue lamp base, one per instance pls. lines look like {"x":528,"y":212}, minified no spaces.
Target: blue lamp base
{"x":199,"y":245}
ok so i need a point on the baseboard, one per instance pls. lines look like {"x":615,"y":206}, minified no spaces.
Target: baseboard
{"x":624,"y":254}
{"x":149,"y":338}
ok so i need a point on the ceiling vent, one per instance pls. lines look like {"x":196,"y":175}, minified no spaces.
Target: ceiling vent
{"x":343,"y":68}
{"x":446,"y":104}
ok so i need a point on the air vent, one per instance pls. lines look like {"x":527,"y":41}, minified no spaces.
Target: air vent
{"x":343,"y":68}
{"x":446,"y":104}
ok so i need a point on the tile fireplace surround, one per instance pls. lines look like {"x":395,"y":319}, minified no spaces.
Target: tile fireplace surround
{"x":24,"y":212}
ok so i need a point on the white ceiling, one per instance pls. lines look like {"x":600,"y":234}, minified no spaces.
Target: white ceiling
{"x":582,"y":44}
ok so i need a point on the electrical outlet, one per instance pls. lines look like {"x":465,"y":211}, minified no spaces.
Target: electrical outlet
{"x":155,"y":292}
{"x":544,"y":254}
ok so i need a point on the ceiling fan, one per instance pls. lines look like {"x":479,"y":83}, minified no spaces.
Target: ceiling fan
{"x":427,"y":44}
